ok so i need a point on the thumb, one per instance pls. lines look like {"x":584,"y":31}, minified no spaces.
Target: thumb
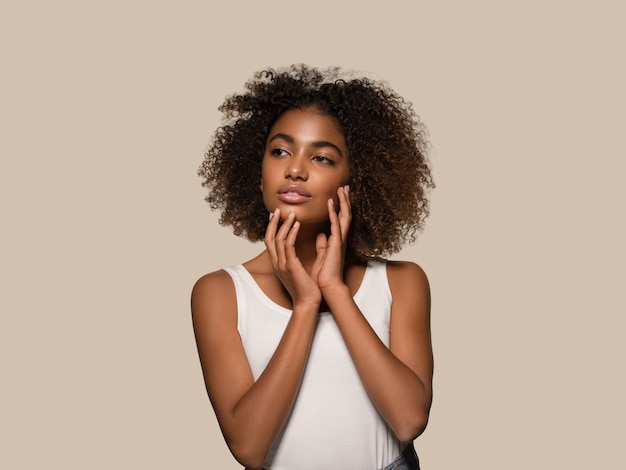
{"x":321,"y":244}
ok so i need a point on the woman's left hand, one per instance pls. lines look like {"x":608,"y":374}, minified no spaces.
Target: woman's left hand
{"x":328,"y":267}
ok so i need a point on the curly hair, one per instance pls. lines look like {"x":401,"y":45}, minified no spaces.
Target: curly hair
{"x":389,"y":170}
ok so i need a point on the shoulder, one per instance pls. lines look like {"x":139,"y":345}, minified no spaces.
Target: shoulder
{"x":408,"y":283}
{"x":406,"y":274}
{"x":212,"y":292}
{"x":211,"y":283}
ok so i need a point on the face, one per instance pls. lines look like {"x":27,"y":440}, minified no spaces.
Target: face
{"x":304,"y":163}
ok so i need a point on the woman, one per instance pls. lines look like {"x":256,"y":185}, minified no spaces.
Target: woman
{"x":317,"y":352}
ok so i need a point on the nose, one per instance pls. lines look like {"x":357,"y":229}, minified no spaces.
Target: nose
{"x":296,"y":168}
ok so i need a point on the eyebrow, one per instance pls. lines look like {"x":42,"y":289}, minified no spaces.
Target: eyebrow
{"x":316,"y":144}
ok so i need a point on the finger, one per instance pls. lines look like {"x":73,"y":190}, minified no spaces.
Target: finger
{"x":345,"y":210}
{"x":270,"y":235}
{"x":333,"y":216}
{"x":342,"y":198}
{"x":279,"y":242}
{"x":348,"y":196}
{"x":321,"y":245}
{"x":272,"y":225}
{"x":335,"y":229}
{"x":290,"y":244}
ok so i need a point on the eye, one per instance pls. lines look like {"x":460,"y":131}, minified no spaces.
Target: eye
{"x":278,"y":152}
{"x":323,"y":160}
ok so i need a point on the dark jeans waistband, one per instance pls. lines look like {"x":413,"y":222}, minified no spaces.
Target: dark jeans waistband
{"x":406,"y":461}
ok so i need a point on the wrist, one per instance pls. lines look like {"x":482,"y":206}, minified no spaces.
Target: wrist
{"x":307,"y":305}
{"x":337,"y":290}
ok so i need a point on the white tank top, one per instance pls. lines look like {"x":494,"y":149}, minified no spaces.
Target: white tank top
{"x":333,"y":423}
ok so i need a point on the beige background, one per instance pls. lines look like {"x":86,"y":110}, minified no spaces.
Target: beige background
{"x":106,"y":109}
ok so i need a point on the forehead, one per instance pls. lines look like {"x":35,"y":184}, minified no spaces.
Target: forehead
{"x":308,"y":124}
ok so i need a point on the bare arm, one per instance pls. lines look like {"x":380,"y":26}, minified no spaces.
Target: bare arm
{"x":398,"y":379}
{"x":250,"y":413}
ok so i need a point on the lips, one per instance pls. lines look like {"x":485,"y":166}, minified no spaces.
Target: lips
{"x":293,"y":194}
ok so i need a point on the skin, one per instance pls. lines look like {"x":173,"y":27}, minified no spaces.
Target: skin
{"x":303,"y":269}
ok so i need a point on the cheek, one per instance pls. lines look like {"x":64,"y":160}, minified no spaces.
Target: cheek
{"x":265,"y":172}
{"x":341,"y":180}
{"x":269,"y":173}
{"x":331,"y":191}
{"x":265,"y":189}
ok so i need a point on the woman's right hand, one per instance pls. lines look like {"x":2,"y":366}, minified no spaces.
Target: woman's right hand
{"x":280,"y":243}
